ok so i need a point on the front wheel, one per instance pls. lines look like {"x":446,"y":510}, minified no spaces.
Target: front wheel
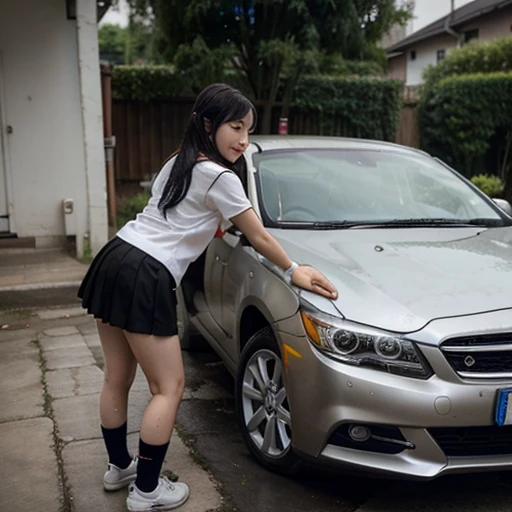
{"x":262,"y":404}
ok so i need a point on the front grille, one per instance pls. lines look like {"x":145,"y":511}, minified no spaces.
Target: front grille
{"x":473,"y":441}
{"x":480,"y":356}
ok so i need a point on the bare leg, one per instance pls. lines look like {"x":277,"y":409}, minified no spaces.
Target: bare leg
{"x":120,"y":368}
{"x":160,"y":359}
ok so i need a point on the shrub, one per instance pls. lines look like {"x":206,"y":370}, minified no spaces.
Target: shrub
{"x":495,"y":56}
{"x":352,"y":107}
{"x":462,"y":114}
{"x":143,"y":83}
{"x":488,"y":184}
{"x":128,"y":208}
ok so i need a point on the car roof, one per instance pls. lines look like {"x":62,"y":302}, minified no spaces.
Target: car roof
{"x":283,"y":142}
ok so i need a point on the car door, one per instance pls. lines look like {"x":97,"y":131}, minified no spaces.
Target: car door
{"x":216,"y":257}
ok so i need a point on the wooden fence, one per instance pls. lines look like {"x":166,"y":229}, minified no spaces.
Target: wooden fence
{"x":147,"y":133}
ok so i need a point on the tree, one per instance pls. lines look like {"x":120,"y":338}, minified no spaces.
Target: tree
{"x":139,"y":42}
{"x":112,"y":42}
{"x":130,"y":45}
{"x":272,"y":43}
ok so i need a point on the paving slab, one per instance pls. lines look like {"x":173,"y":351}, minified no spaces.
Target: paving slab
{"x":92,"y":340}
{"x":60,"y":342}
{"x":67,"y":330}
{"x":68,"y":382}
{"x":16,"y":347}
{"x":20,"y":381}
{"x":78,"y":416}
{"x":88,"y":327}
{"x":28,"y":483}
{"x":52,"y":314}
{"x":71,"y":357}
{"x":86,"y":461}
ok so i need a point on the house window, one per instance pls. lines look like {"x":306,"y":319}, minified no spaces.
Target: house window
{"x":412,"y":54}
{"x":440,"y":55}
{"x":470,"y":35}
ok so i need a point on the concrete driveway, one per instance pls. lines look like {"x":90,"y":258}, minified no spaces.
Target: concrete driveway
{"x":53,"y":455}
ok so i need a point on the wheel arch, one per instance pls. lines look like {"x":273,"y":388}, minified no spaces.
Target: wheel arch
{"x":254,"y":317}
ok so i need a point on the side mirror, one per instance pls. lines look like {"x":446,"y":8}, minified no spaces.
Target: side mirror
{"x":504,"y":205}
{"x":233,"y":236}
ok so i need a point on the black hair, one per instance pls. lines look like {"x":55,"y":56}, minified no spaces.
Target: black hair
{"x":215,"y":105}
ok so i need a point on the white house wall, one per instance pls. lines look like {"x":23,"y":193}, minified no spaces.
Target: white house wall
{"x":426,"y":53}
{"x":42,"y":104}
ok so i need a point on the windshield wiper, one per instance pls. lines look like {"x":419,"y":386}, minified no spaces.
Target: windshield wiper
{"x":394,"y":223}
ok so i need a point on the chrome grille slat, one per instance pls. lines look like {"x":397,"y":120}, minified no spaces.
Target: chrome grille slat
{"x":480,"y":348}
{"x":480,"y":357}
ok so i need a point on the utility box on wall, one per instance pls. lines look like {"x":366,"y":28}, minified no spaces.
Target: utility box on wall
{"x":68,"y":208}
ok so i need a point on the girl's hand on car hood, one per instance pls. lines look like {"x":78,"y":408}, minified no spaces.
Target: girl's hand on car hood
{"x":311,"y":279}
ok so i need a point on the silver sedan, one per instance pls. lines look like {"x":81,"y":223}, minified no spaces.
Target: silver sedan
{"x":409,"y":371}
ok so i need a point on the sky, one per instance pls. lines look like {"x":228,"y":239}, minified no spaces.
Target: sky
{"x":118,"y":16}
{"x":428,"y":11}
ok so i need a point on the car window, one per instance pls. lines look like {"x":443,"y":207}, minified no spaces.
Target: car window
{"x":351,"y":185}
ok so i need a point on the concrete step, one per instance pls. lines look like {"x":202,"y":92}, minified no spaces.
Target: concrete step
{"x":10,"y":241}
{"x":38,"y":278}
{"x":39,"y":295}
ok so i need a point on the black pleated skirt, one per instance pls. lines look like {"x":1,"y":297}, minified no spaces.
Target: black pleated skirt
{"x":127,"y":288}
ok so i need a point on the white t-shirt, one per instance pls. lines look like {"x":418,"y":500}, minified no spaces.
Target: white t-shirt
{"x":215,"y":196}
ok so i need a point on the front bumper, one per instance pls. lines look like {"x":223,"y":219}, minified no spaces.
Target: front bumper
{"x":326,"y":394}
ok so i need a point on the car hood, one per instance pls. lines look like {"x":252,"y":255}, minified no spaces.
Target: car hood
{"x":401,"y":279}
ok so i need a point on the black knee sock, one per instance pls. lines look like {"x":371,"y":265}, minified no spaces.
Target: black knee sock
{"x":151,"y":458}
{"x":115,"y":441}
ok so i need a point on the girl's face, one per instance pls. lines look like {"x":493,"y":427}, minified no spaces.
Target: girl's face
{"x":232,"y":138}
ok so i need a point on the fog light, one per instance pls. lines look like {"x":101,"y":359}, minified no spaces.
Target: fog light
{"x":359,"y":433}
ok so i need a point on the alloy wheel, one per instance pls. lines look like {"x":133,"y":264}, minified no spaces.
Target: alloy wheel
{"x":265,"y":406}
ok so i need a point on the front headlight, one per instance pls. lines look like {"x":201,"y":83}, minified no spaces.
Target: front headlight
{"x":364,"y":346}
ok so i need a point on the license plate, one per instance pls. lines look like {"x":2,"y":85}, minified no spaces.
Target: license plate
{"x":504,"y":407}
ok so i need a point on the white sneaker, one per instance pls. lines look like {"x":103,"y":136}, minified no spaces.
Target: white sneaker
{"x":116,"y":478}
{"x":166,"y":496}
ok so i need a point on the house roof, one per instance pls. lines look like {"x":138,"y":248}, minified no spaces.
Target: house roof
{"x":459,"y":16}
{"x":102,"y":7}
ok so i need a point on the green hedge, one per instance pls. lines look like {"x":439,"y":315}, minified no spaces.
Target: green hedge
{"x":352,"y":107}
{"x":490,"y":185}
{"x":462,"y":114}
{"x":144,"y":83}
{"x":129,"y":207}
{"x":495,"y":56}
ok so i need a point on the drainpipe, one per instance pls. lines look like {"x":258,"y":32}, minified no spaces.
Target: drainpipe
{"x":109,"y":141}
{"x":448,"y":22}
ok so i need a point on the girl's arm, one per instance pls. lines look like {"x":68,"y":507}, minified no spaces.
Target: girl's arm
{"x":304,"y":276}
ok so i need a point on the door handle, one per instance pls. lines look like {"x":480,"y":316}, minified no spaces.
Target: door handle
{"x":217,"y":259}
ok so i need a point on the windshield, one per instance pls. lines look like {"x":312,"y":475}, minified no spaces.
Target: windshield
{"x":352,"y":187}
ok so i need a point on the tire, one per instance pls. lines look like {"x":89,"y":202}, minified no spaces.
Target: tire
{"x":265,"y":421}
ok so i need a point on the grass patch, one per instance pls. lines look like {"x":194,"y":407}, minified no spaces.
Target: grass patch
{"x":128,"y":208}
{"x":66,"y":500}
{"x":47,"y":398}
{"x":87,"y":257}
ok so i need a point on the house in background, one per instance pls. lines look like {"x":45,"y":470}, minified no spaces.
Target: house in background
{"x":52,"y":163}
{"x":480,"y":20}
{"x":424,"y":12}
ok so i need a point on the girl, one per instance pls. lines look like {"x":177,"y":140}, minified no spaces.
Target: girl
{"x":130,"y":286}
